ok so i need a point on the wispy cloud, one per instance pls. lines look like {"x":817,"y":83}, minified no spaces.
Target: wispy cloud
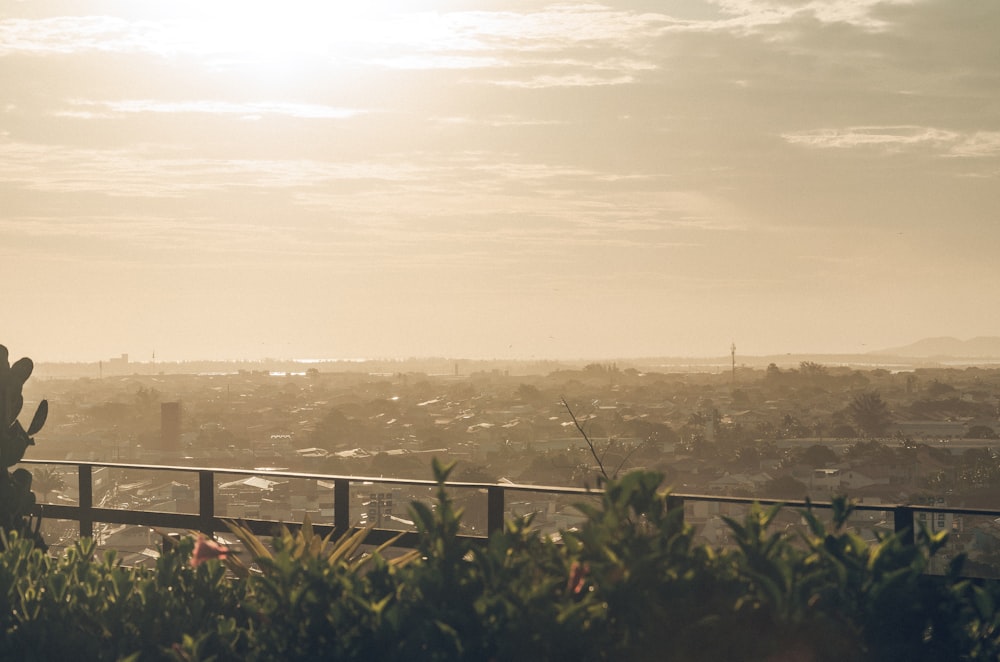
{"x":886,"y":137}
{"x":164,"y":171}
{"x":978,"y":144}
{"x":567,"y":80}
{"x":75,"y":34}
{"x":397,"y":40}
{"x":756,"y":14}
{"x":943,"y":142}
{"x":251,"y":109}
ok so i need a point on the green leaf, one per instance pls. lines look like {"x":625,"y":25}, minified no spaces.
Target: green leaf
{"x":250,"y":541}
{"x":423,"y":515}
{"x":20,"y":371}
{"x":13,"y":444}
{"x":984,"y":602}
{"x":14,"y":404}
{"x":441,"y":471}
{"x":39,"y":418}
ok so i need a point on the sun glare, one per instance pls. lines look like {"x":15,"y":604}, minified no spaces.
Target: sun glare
{"x":267,"y":33}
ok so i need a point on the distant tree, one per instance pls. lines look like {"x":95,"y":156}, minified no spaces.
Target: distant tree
{"x":741,"y":399}
{"x":733,"y":434}
{"x":870,"y":413}
{"x":766,"y":430}
{"x":784,"y":487}
{"x":870,"y":450}
{"x":981,"y":432}
{"x":529,"y":393}
{"x":749,"y":457}
{"x":792,"y":428}
{"x":111,"y":413}
{"x":336,"y":429}
{"x":812,"y":370}
{"x":819,"y":455}
{"x":858,"y":380}
{"x":147,"y":398}
{"x":948,"y":407}
{"x":937,"y":388}
{"x":476,"y":473}
{"x":651,"y":432}
{"x":980,"y":469}
{"x":843,"y":431}
{"x":46,"y":480}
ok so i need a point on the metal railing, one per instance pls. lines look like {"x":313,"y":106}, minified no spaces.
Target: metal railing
{"x":208,"y":521}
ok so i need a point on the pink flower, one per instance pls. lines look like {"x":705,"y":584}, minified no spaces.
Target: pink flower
{"x":206,"y":549}
{"x":577,"y":577}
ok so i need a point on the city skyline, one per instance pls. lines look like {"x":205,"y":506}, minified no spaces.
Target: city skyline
{"x":496,"y":180}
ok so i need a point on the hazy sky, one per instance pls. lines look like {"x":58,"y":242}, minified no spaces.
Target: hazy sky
{"x":496,"y":179}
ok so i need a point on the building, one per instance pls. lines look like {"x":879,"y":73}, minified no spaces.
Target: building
{"x":170,"y":426}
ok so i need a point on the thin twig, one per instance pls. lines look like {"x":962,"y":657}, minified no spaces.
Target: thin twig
{"x":625,"y":459}
{"x":586,"y":438}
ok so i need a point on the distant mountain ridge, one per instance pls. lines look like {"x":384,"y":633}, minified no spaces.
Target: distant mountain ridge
{"x":946,"y":346}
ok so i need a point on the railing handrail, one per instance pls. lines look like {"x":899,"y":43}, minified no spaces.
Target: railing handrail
{"x":320,"y":476}
{"x":207,"y":521}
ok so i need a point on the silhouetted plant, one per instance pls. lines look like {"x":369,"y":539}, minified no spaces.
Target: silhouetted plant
{"x":630,"y":583}
{"x":16,"y":498}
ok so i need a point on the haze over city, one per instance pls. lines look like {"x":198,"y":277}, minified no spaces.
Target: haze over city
{"x":496,"y":180}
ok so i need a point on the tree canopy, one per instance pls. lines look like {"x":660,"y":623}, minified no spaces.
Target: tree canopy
{"x":870,"y":413}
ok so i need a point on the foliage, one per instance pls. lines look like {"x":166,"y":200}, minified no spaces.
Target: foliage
{"x":870,"y":413}
{"x":78,"y":607}
{"x":981,"y":432}
{"x":784,"y":487}
{"x":48,"y":479}
{"x":16,"y":498}
{"x":631,"y":583}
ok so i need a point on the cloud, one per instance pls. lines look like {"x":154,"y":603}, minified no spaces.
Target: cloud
{"x":165,"y":171}
{"x":978,"y":144}
{"x":450,"y":211}
{"x":944,"y":142}
{"x":568,"y":80}
{"x":251,"y":109}
{"x":757,"y":14}
{"x":397,"y":40}
{"x":504,"y":120}
{"x":889,"y":137}
{"x":74,"y":34}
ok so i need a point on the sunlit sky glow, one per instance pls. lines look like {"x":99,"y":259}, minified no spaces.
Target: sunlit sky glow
{"x":496,"y":179}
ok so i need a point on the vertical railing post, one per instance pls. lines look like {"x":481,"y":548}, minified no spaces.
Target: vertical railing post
{"x":902,"y":520}
{"x":206,"y":501}
{"x":85,"y":483}
{"x":494,"y":509}
{"x":341,"y":505}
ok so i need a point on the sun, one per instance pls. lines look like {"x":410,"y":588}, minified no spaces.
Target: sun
{"x":268,"y":32}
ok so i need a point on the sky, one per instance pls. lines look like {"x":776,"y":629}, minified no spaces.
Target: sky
{"x":313,"y":179}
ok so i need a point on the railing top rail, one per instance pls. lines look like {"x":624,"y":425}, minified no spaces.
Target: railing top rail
{"x":318,"y":476}
{"x":862,"y":507}
{"x":513,"y":487}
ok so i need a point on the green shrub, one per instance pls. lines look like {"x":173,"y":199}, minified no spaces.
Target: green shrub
{"x":629,"y":584}
{"x":78,"y":607}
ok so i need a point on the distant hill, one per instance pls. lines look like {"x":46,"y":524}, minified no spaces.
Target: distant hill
{"x":982,"y":347}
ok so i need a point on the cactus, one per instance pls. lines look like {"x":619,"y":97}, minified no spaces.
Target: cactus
{"x":16,"y":498}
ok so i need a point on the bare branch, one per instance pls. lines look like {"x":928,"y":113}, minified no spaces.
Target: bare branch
{"x":586,"y":438}
{"x":625,"y":459}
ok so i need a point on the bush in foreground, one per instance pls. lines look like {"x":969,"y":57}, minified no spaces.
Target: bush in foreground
{"x":629,"y":584}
